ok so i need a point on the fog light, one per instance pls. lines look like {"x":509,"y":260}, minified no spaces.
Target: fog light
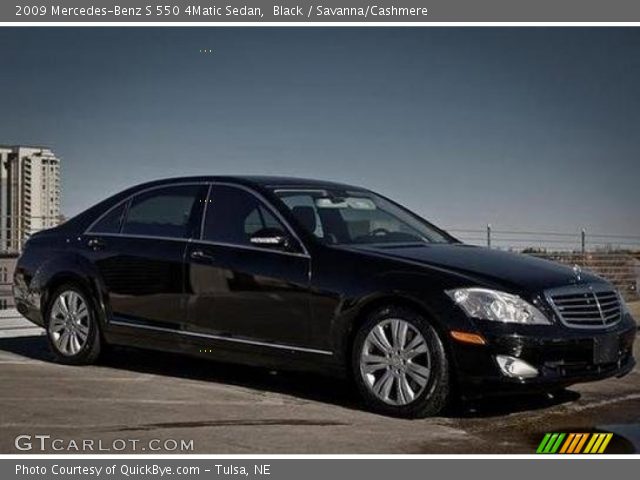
{"x":514,"y":367}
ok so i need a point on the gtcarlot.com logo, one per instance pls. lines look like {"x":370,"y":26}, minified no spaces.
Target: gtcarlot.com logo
{"x":47,"y":443}
{"x":574,"y":443}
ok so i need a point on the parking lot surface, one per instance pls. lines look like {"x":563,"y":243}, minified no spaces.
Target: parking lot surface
{"x":150,"y":402}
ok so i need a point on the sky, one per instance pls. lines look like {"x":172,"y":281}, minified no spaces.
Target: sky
{"x":523,"y":128}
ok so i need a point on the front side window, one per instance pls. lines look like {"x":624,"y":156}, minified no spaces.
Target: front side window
{"x":235,"y":215}
{"x":259,"y":219}
{"x":299,"y":204}
{"x":170,"y":212}
{"x":352,"y":218}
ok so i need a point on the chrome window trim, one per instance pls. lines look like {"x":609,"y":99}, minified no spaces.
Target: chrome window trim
{"x":196,"y":241}
{"x":211,"y":184}
{"x":581,"y":289}
{"x":249,"y":247}
{"x":139,"y":236}
{"x":280,"y":346}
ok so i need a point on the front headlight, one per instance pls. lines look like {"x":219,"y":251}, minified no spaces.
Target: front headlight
{"x":486,"y":304}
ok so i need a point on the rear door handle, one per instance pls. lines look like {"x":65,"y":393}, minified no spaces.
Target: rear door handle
{"x":200,"y":255}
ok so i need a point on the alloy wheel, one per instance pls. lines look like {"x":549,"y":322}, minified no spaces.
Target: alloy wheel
{"x":69,"y":323}
{"x":395,"y":362}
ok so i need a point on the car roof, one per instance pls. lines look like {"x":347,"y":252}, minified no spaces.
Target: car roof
{"x":257,"y":182}
{"x":264,"y":181}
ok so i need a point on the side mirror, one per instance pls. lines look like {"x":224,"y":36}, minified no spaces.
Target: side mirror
{"x":271,"y":238}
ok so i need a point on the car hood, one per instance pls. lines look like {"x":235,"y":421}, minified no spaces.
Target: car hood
{"x":522,"y":272}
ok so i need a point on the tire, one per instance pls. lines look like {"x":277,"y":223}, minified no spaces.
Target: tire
{"x":72,"y":311}
{"x":385,"y":378}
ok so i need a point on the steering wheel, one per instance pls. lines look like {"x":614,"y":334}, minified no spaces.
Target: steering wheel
{"x":379,"y":232}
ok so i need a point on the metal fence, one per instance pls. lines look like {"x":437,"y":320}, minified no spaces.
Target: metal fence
{"x":614,"y":257}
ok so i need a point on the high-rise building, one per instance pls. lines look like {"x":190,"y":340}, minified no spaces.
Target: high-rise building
{"x":29,"y":193}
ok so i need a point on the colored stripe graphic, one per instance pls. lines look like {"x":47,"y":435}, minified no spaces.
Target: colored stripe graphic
{"x":543,"y":443}
{"x":598,"y":443}
{"x":594,"y":437}
{"x":582,"y":442}
{"x":550,"y":443}
{"x":565,"y":447}
{"x":571,"y":443}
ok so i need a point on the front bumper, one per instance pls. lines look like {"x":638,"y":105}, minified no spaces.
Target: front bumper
{"x":563,"y":356}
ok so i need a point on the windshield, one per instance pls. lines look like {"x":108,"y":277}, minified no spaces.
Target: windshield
{"x":358,"y":218}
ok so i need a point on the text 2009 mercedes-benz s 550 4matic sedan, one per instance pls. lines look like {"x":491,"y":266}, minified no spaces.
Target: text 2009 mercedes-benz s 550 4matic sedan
{"x":292,"y":273}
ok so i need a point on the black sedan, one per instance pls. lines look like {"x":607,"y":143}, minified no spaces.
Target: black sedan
{"x":292,"y":273}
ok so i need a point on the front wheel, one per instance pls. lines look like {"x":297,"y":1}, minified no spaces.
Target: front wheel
{"x":399,"y":364}
{"x":72,"y":327}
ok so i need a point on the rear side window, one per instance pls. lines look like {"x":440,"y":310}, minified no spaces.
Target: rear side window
{"x":171,"y":212}
{"x":110,"y":223}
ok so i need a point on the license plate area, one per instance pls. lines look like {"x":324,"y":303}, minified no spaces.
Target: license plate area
{"x":606,"y":349}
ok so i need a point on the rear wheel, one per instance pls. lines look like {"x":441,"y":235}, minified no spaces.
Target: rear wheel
{"x":72,"y":326}
{"x":399,"y":364}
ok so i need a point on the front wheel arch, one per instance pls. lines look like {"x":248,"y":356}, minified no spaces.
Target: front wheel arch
{"x":390,"y":301}
{"x":428,"y":402}
{"x":397,"y":301}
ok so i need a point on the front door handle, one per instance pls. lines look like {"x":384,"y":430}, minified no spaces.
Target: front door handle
{"x":200,"y":255}
{"x":96,"y":244}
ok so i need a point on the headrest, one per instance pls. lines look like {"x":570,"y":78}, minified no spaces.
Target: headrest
{"x":306,"y":216}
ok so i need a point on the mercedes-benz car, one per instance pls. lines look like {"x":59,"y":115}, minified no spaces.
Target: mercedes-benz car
{"x":289,"y":273}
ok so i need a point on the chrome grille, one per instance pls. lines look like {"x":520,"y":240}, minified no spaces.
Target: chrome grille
{"x":586,"y":306}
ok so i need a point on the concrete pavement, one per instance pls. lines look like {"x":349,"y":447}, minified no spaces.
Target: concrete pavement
{"x":140,"y":396}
